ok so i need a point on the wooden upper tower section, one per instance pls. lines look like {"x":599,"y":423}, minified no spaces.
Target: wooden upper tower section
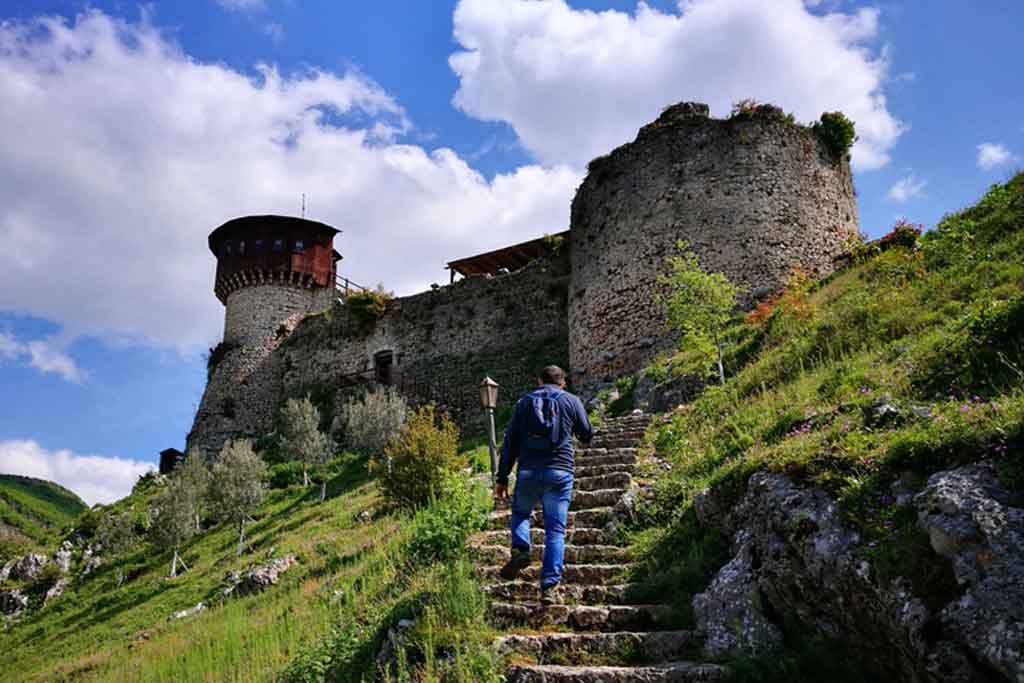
{"x":283,"y":250}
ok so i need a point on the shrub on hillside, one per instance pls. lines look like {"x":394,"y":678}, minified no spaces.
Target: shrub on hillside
{"x":903,"y":234}
{"x":415,"y":467}
{"x":440,"y":529}
{"x":370,"y":423}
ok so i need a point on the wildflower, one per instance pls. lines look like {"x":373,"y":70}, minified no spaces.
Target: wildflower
{"x":964,"y":408}
{"x":977,"y":399}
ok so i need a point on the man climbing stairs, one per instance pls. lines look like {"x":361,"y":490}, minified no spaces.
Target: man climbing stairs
{"x":599,"y":635}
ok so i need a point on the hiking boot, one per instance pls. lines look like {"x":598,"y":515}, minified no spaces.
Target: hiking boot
{"x":552,"y":595}
{"x":519,"y":561}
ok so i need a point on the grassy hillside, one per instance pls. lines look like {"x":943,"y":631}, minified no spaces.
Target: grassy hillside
{"x":909,"y":362}
{"x":356,"y":576}
{"x":32,"y":507}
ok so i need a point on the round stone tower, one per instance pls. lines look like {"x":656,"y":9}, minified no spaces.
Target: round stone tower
{"x":753,"y":196}
{"x":271,"y":271}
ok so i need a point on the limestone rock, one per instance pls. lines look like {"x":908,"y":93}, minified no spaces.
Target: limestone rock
{"x":5,"y":571}
{"x":969,"y":521}
{"x":28,"y":568}
{"x":661,"y":398}
{"x":63,"y":556}
{"x":257,"y":579}
{"x":56,"y":590}
{"x":730,"y":612}
{"x":13,"y":603}
{"x":186,"y":613}
{"x":793,"y":546}
{"x":396,"y":638}
{"x":92,"y":563}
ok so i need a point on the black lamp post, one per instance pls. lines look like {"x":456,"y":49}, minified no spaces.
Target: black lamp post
{"x":489,"y":401}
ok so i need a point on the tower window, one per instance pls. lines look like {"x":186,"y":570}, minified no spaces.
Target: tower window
{"x":278,"y":245}
{"x":241,"y":248}
{"x":300,"y":246}
{"x":257,"y":245}
{"x":227,"y":248}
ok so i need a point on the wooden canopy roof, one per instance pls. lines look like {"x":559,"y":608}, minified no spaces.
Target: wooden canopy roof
{"x":507,"y":258}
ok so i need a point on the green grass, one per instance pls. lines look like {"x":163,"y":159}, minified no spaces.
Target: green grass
{"x":32,"y":508}
{"x":324,"y":621}
{"x":936,"y":332}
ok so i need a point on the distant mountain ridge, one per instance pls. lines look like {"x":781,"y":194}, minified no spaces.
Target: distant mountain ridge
{"x":30,"y":507}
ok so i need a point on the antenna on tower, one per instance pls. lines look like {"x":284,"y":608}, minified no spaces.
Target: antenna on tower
{"x":303,"y":204}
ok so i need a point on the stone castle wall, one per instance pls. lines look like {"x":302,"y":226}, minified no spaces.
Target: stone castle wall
{"x":753,"y":197}
{"x":444,"y":342}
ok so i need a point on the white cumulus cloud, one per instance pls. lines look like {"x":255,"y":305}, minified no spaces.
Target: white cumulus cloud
{"x":95,"y":478}
{"x":575,"y":84}
{"x":120,"y":153}
{"x":45,"y":355}
{"x":992,"y":154}
{"x":906,"y":188}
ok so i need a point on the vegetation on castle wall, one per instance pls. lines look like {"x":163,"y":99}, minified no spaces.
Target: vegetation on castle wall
{"x":837,"y":132}
{"x":368,"y":306}
{"x":217,"y":354}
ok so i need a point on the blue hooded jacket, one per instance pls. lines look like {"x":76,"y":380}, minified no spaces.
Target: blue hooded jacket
{"x":519,"y":447}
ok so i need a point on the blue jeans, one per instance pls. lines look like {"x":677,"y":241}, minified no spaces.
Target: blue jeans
{"x":554,"y":490}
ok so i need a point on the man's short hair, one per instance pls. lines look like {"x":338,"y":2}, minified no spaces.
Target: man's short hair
{"x":552,"y":374}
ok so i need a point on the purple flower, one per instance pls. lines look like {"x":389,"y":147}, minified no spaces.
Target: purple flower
{"x":977,"y":399}
{"x":872,"y":545}
{"x":964,"y":408}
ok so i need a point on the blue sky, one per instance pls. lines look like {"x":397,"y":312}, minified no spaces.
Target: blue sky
{"x":425,"y":130}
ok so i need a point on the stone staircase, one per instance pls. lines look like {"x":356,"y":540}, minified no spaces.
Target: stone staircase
{"x":600,"y":635}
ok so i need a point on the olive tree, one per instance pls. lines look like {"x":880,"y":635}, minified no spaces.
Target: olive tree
{"x":301,"y":436}
{"x":194,"y":477}
{"x":238,"y":481}
{"x":373,"y":421}
{"x":116,"y":535}
{"x":172,"y":521}
{"x":699,"y":304}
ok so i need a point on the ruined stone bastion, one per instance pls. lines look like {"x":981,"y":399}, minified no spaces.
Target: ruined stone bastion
{"x":754,"y":196}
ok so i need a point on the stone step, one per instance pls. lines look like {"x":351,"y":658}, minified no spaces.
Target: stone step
{"x":676,"y":672}
{"x":581,"y":500}
{"x":574,"y":536}
{"x":578,"y":617}
{"x":606,"y":456}
{"x":584,"y":574}
{"x":615,"y":442}
{"x":579,"y":648}
{"x":594,"y":482}
{"x":574,"y":554}
{"x":588,"y":470}
{"x":594,"y":517}
{"x":580,"y":594}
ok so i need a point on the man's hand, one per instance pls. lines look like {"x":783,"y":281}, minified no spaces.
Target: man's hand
{"x":501,"y":491}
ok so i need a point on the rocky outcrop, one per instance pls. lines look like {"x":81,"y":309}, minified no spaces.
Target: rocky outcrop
{"x":63,"y":556}
{"x":13,"y":603}
{"x":971,"y":521}
{"x":257,"y":579}
{"x":27,"y":568}
{"x":55,"y":591}
{"x":730,"y":613}
{"x":186,"y":613}
{"x":796,"y":555}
